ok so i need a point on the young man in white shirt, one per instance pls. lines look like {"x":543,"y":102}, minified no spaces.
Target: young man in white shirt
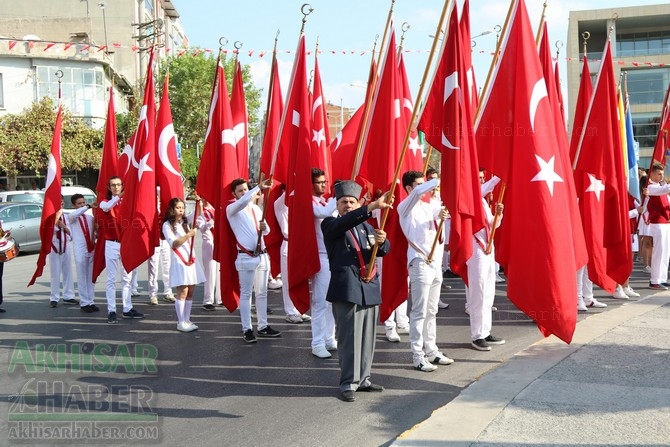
{"x":83,"y":240}
{"x":252,"y":261}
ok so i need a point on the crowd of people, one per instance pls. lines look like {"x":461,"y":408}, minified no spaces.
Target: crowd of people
{"x":345,"y":292}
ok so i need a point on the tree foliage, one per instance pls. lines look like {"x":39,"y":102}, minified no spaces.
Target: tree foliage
{"x":25,"y":141}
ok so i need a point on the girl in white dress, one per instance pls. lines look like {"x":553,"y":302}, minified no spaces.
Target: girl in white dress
{"x":185,"y":269}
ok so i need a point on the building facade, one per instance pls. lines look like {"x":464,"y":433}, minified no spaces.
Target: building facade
{"x":640,"y":37}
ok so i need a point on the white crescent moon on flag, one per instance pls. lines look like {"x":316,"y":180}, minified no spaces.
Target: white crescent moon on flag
{"x":166,"y":136}
{"x":238,"y":131}
{"x":128,"y":151}
{"x":317,"y":103}
{"x":450,"y":86}
{"x":143,"y":117}
{"x":51,"y":171}
{"x":336,"y":143}
{"x":539,"y":92}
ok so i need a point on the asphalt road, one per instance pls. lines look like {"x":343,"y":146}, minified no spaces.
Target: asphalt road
{"x":142,"y":379}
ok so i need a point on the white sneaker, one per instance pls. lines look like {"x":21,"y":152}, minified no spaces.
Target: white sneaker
{"x":305,"y":317}
{"x":440,"y":359}
{"x":425,"y":366}
{"x":295,"y":319}
{"x":619,"y":293}
{"x":595,"y":303}
{"x":169,"y":298}
{"x":494,"y":309}
{"x":274,"y":284}
{"x":331,"y":346}
{"x":646,"y":269}
{"x":153,"y":300}
{"x":134,"y":293}
{"x":392,"y":335}
{"x":321,"y":352}
{"x":402,"y":330}
{"x":193,"y":326}
{"x":467,"y":311}
{"x":630,"y":292}
{"x":500,"y":278}
{"x":581,"y":306}
{"x":184,"y":327}
{"x":442,"y":305}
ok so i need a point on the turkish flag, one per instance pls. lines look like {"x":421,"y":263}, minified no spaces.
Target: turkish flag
{"x":138,"y":209}
{"x":238,"y":107}
{"x":321,"y":156}
{"x":600,"y":153}
{"x":382,"y":148}
{"x":517,"y":124}
{"x":464,"y":27}
{"x":218,"y":168}
{"x":168,"y":174}
{"x":662,"y":145}
{"x":553,"y":91}
{"x":52,"y":197}
{"x":413,"y":160}
{"x":275,"y":106}
{"x":303,"y":252}
{"x":447,"y":124}
{"x":108,"y":169}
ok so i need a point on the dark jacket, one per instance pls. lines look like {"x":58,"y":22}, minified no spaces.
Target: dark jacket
{"x":345,"y":280}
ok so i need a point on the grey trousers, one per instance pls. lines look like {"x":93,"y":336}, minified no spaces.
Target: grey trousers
{"x":355,"y":331}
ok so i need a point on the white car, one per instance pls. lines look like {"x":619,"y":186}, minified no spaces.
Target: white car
{"x":69,"y":191}
{"x":22,"y":196}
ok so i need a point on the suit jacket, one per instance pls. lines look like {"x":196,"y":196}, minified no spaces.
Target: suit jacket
{"x":345,"y":280}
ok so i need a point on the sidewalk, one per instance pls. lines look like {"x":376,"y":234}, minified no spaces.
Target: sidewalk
{"x":611,"y":386}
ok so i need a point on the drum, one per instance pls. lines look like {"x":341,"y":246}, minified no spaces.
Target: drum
{"x":8,"y":249}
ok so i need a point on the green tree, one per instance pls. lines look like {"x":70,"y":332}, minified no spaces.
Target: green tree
{"x":25,"y":141}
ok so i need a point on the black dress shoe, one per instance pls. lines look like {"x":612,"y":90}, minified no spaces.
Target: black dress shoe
{"x":372,"y":388}
{"x":348,"y":395}
{"x":2,"y":311}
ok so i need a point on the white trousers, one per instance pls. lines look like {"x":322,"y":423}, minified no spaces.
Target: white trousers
{"x":584,"y":286}
{"x":212,"y":284}
{"x":60,"y":265}
{"x":425,"y":285}
{"x":398,"y":317}
{"x":481,"y":291}
{"x":660,"y":253}
{"x":289,"y":308}
{"x":114,"y":266}
{"x":85,"y":287}
{"x":160,"y":258}
{"x":253,"y":272}
{"x":323,"y":322}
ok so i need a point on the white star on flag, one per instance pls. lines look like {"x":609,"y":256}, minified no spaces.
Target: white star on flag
{"x":596,"y":186}
{"x":318,"y":136}
{"x":547,"y":173}
{"x":414,"y":145}
{"x":143,"y":166}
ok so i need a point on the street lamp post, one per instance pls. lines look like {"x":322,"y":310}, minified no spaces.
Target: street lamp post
{"x":104,"y":24}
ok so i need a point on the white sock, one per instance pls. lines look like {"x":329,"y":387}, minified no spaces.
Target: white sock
{"x":187,"y":310}
{"x":179,"y":308}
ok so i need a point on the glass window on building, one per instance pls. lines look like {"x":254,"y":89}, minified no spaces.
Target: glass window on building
{"x":643,"y":44}
{"x":645,"y":129}
{"x":79,"y":87}
{"x":647,"y":86}
{"x":149,"y":6}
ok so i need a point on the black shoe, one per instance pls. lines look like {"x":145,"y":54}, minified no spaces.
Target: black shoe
{"x":348,"y":395}
{"x":209,"y":307}
{"x":267,"y":331}
{"x":269,"y":311}
{"x":657,"y":286}
{"x":87,"y":309}
{"x":94,"y":307}
{"x":2,"y":311}
{"x":493,"y":340}
{"x":249,"y":336}
{"x":481,"y":345}
{"x":111,"y":318}
{"x":53,"y":303}
{"x":70,"y":301}
{"x":372,"y":388}
{"x":665,"y":284}
{"x":132,"y":313}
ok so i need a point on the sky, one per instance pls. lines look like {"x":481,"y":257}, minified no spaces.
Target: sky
{"x":346,"y":31}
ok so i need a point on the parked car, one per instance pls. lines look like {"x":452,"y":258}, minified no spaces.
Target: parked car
{"x":23,"y":220}
{"x":22,"y":196}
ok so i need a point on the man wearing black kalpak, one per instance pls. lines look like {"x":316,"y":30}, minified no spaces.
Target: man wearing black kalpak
{"x":353,"y":291}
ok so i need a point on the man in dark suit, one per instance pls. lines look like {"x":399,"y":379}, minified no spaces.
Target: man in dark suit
{"x":353,"y":291}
